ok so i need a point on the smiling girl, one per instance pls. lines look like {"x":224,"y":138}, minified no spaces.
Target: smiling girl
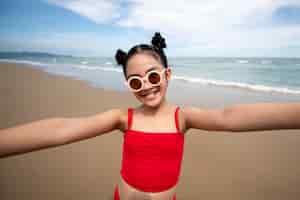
{"x":154,"y":131}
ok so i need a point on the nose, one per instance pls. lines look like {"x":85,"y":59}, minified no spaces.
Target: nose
{"x":147,"y":85}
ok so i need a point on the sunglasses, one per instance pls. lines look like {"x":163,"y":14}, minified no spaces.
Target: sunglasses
{"x":136,"y":83}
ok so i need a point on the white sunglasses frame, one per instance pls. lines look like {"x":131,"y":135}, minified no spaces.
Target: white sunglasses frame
{"x":142,"y":79}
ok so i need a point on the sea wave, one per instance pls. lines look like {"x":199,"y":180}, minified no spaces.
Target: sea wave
{"x":82,"y":66}
{"x":84,"y":62}
{"x":198,"y":80}
{"x":112,"y":69}
{"x":242,"y":61}
{"x":22,"y":62}
{"x":253,"y":87}
{"x":266,"y":62}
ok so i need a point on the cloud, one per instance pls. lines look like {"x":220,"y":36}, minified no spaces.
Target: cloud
{"x":214,"y":23}
{"x":210,"y":26}
{"x":99,"y":11}
{"x":188,"y":15}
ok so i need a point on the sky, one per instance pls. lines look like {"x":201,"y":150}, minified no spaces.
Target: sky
{"x":192,"y":28}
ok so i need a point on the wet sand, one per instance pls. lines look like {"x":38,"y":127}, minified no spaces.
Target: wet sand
{"x":217,"y":165}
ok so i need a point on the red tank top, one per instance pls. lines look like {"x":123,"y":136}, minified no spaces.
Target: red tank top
{"x":152,"y":160}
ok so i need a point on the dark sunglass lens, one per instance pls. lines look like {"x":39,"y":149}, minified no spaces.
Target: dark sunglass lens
{"x":154,"y":78}
{"x":135,"y":84}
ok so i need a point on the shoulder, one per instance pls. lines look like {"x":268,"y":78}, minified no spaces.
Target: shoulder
{"x":189,"y":114}
{"x":206,"y":118}
{"x":182,"y":114}
{"x":189,"y":111}
{"x":122,"y":114}
{"x":118,"y":116}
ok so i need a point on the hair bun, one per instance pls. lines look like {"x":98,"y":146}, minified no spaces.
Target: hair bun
{"x":158,"y":41}
{"x":121,"y":57}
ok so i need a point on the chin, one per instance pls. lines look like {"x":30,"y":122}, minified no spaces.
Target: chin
{"x":152,"y":103}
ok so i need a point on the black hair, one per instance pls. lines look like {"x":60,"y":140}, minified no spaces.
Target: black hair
{"x":156,"y":50}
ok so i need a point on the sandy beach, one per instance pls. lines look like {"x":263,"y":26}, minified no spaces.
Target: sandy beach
{"x":216,"y":165}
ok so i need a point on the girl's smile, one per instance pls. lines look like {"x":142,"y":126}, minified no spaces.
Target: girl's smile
{"x":150,"y":95}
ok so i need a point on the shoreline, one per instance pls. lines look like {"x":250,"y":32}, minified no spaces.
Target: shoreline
{"x":252,"y":165}
{"x":116,"y":84}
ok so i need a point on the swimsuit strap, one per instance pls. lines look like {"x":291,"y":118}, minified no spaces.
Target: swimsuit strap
{"x":130,"y":114}
{"x":176,"y":119}
{"x":129,"y":118}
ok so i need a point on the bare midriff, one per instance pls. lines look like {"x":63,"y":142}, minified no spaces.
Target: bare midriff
{"x":127,"y":192}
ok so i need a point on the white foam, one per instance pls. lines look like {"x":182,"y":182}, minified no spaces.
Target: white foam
{"x":256,"y":87}
{"x":21,"y":62}
{"x":84,"y":67}
{"x":84,"y":62}
{"x":112,"y":69}
{"x":242,"y":61}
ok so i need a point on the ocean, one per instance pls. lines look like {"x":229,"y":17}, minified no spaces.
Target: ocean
{"x":265,"y":75}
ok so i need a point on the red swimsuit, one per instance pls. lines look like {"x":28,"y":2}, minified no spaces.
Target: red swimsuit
{"x":151,"y":160}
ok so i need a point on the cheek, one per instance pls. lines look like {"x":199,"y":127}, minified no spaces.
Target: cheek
{"x":164,"y":86}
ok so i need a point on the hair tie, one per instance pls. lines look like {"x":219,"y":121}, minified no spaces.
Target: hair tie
{"x":158,"y":41}
{"x":121,"y":57}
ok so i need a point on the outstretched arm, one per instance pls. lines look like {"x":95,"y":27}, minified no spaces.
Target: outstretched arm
{"x":245,"y":117}
{"x":56,"y":131}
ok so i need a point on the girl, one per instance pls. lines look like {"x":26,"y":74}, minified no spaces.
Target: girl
{"x":154,"y":131}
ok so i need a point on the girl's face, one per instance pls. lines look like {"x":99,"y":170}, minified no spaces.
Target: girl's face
{"x":139,"y":65}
